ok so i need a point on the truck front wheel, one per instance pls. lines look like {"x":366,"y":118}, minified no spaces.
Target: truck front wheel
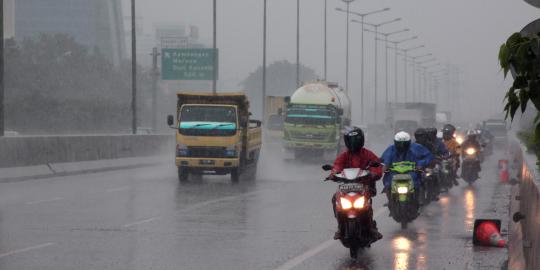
{"x":235,"y":175}
{"x":183,"y":174}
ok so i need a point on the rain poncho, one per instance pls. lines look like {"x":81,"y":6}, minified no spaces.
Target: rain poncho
{"x":416,"y":153}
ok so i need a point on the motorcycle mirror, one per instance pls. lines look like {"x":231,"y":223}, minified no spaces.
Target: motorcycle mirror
{"x":327,"y":167}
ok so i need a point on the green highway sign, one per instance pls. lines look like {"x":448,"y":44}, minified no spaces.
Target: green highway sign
{"x":188,"y":64}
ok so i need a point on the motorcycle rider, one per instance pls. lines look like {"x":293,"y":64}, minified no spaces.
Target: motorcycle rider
{"x":357,"y":156}
{"x":404,"y":150}
{"x":453,"y":146}
{"x":440,"y":149}
{"x":472,"y":141}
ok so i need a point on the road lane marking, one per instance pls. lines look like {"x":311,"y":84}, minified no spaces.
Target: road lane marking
{"x":224,"y":199}
{"x":141,"y":222}
{"x":292,"y":263}
{"x":13,"y":252}
{"x":118,"y":189}
{"x":45,"y":201}
{"x":193,"y":207}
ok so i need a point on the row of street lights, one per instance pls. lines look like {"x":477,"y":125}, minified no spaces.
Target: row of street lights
{"x":417,"y":61}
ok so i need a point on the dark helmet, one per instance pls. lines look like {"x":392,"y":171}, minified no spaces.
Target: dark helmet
{"x":354,"y":140}
{"x":448,"y":131}
{"x":402,"y":141}
{"x":432,"y":133}
{"x":421,"y":136}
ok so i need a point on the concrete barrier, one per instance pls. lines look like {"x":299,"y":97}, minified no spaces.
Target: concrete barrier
{"x":40,"y":150}
{"x":525,"y":235}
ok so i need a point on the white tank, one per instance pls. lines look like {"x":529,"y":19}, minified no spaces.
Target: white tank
{"x":323,"y":93}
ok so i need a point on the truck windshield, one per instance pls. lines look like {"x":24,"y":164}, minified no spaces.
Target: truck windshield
{"x":207,"y":121}
{"x":310,"y":115}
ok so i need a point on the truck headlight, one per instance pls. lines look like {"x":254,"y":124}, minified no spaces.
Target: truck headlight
{"x":345,"y":203}
{"x":182,"y":150}
{"x":402,"y":190}
{"x":230,"y":151}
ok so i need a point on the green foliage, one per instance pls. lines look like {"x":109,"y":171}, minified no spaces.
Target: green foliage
{"x":521,"y":56}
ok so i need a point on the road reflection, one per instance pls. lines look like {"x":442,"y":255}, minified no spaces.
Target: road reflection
{"x":469,"y":208}
{"x":402,"y":248}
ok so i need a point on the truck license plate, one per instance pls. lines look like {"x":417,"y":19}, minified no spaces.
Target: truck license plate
{"x":207,"y":162}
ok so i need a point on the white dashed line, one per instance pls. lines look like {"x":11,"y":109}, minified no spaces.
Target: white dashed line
{"x":292,"y":263}
{"x":45,"y":201}
{"x":17,"y":251}
{"x":141,"y":222}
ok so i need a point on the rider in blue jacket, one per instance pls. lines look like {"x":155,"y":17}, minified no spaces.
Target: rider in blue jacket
{"x":404,"y":150}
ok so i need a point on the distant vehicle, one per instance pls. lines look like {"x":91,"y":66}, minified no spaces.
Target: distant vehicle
{"x":274,"y":119}
{"x":409,"y":116}
{"x":498,"y":128}
{"x":214,"y":135}
{"x":314,"y":119}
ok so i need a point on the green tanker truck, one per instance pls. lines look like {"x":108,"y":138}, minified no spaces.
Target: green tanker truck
{"x":315,"y":116}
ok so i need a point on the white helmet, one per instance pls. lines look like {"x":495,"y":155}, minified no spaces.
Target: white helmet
{"x":402,"y":136}
{"x":402,"y":141}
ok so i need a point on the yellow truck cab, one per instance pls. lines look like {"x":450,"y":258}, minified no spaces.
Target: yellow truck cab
{"x":214,"y":135}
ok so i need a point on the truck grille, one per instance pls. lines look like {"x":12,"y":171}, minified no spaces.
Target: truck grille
{"x":309,"y":136}
{"x":207,"y":152}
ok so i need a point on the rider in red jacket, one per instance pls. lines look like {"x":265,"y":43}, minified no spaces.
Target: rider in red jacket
{"x":357,"y":156}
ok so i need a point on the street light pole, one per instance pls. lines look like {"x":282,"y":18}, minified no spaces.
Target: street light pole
{"x":264,"y":66}
{"x":325,"y":39}
{"x":348,"y":2}
{"x":2,"y":68}
{"x":214,"y":79}
{"x":376,"y":27}
{"x":133,"y":70}
{"x":362,"y":16}
{"x":297,"y":43}
{"x":405,"y":51}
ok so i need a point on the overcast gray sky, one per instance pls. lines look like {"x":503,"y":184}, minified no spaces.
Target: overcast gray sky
{"x":465,"y":33}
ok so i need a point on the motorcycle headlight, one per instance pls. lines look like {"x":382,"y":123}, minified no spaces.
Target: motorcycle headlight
{"x":359,"y":203}
{"x":345,"y":204}
{"x":470,"y":151}
{"x":402,"y":190}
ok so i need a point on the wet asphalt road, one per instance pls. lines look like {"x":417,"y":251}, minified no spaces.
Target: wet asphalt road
{"x":144,"y":219}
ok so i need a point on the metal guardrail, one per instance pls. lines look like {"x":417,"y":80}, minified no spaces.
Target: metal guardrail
{"x":525,"y":253}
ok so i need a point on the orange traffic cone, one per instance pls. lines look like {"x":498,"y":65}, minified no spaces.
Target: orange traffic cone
{"x":503,"y":170}
{"x":487,"y":233}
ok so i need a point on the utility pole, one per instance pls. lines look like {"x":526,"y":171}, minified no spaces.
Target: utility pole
{"x":325,"y":39}
{"x":155,"y":78}
{"x":297,"y":43}
{"x":133,"y":69}
{"x":263,"y":118}
{"x":2,"y":68}
{"x":214,"y":79}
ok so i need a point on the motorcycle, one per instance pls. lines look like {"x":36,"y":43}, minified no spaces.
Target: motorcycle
{"x":353,"y":208}
{"x":446,"y":173}
{"x":404,"y":199}
{"x":432,"y":183}
{"x":470,"y":165}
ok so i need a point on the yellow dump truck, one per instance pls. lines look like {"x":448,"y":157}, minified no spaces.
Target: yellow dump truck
{"x":215,"y":135}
